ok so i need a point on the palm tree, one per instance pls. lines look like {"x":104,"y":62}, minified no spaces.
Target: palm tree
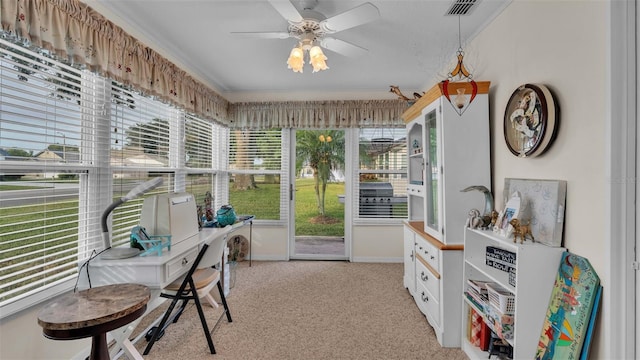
{"x":323,"y":151}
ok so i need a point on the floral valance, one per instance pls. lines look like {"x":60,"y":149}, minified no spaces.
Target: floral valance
{"x":76,"y":33}
{"x":317,"y":114}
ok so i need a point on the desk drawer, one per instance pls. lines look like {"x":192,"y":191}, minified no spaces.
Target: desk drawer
{"x":180,"y":265}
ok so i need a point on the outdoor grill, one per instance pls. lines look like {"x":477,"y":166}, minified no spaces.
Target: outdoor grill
{"x":376,"y":199}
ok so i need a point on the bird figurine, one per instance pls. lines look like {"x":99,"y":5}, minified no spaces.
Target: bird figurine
{"x":488,"y":201}
{"x":396,"y":90}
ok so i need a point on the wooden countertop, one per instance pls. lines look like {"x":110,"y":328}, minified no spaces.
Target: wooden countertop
{"x":418,"y":228}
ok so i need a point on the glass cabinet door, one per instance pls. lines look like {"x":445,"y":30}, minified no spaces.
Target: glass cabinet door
{"x":432,"y":221}
{"x":415,"y":153}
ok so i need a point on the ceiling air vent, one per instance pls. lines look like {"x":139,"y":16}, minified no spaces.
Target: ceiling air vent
{"x":462,"y":7}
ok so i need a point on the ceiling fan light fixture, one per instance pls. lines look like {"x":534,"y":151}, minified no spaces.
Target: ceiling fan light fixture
{"x":306,"y":43}
{"x":318,"y":59}
{"x":310,"y":27}
{"x":296,"y":59}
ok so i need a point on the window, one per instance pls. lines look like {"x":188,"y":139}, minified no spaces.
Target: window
{"x":70,"y":144}
{"x":44,"y":164}
{"x":382,"y":174}
{"x":258,"y":168}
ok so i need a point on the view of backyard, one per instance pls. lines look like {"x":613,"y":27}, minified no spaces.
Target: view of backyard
{"x":260,"y":202}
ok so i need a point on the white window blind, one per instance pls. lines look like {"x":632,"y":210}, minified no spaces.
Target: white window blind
{"x":202,"y":148}
{"x":142,"y":133}
{"x":382,"y":173}
{"x":199,"y":143}
{"x":258,"y":168}
{"x":45,"y":159}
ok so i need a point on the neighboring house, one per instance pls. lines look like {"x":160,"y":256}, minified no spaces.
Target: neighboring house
{"x":68,"y":155}
{"x":48,"y":155}
{"x":139,"y":160}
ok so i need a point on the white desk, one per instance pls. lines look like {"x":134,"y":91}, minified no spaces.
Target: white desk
{"x":156,"y":272}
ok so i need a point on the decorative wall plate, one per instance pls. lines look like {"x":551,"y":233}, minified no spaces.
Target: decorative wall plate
{"x":530,"y":120}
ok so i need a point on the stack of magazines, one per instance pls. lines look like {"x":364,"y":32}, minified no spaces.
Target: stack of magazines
{"x":477,"y":294}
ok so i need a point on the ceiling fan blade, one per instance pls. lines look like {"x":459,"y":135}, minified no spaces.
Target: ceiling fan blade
{"x":287,"y":10}
{"x":263,"y":35}
{"x":351,"y":18}
{"x":342,"y":47}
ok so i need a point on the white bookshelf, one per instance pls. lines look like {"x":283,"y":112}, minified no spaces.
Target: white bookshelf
{"x":536,"y":267}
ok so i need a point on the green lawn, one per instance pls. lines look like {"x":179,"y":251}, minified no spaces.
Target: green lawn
{"x":264,"y":203}
{"x":307,"y":209}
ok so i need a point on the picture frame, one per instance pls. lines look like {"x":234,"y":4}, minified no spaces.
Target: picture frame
{"x":544,"y":210}
{"x":511,"y":211}
{"x":530,"y":120}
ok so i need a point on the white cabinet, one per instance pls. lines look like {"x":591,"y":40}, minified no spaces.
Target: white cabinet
{"x":447,"y":153}
{"x":535,"y":267}
{"x":433,"y":273}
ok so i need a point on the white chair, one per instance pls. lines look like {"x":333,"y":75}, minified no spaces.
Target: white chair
{"x":195,"y":285}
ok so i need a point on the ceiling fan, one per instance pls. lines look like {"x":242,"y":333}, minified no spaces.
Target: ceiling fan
{"x":309,"y":26}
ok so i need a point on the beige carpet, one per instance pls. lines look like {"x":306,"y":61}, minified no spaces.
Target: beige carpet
{"x":308,"y":310}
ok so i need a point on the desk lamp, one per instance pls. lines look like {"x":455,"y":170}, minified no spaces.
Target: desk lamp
{"x":124,"y":252}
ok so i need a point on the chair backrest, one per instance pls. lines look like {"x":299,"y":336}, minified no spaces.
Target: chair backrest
{"x":213,"y":255}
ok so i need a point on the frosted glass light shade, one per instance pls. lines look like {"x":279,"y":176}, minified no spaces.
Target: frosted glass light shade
{"x":296,"y":60}
{"x":317,"y":59}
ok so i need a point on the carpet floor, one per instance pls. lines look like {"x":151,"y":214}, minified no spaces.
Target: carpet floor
{"x":307,"y":310}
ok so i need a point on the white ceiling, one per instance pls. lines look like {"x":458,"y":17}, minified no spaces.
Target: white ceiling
{"x":408,"y":46}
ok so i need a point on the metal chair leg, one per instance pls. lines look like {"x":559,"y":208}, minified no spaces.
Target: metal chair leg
{"x":203,"y":320}
{"x":224,"y":302}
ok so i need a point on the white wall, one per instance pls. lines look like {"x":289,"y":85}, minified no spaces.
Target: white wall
{"x":269,"y":242}
{"x":370,"y":243}
{"x":377,"y":243}
{"x":21,"y":339}
{"x":562,"y":44}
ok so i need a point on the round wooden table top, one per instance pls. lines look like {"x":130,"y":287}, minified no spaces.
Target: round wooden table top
{"x":93,"y":311}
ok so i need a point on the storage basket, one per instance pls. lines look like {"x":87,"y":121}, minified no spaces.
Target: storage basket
{"x":501,"y":299}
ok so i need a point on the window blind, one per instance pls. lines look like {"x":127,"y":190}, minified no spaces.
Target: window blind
{"x":258,"y":163}
{"x":142,"y":133}
{"x":381,"y":189}
{"x":45,"y":160}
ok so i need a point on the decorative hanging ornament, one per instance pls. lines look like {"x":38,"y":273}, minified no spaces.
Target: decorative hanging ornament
{"x":456,"y":84}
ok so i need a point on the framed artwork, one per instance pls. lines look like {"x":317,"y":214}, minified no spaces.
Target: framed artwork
{"x":530,"y":120}
{"x":544,"y":210}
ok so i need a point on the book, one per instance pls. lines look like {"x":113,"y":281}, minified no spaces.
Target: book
{"x":485,"y":336}
{"x":478,"y":285}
